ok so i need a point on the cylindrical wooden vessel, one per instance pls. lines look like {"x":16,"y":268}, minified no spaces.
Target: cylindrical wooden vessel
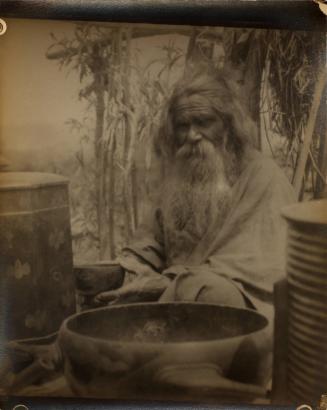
{"x":307,"y":301}
{"x":36,"y":269}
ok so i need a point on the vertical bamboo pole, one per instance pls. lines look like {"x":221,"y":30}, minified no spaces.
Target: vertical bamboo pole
{"x":300,"y":169}
{"x":98,"y":142}
{"x":112,"y":194}
{"x":130,"y":135}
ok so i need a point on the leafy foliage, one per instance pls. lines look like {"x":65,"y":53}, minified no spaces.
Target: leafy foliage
{"x":115,"y":174}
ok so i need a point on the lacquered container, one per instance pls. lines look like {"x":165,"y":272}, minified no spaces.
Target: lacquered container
{"x":36,"y":268}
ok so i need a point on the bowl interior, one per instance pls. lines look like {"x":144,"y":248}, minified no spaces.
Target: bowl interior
{"x":166,"y":322}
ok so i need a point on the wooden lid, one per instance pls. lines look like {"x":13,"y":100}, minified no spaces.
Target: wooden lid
{"x":29,"y":180}
{"x":311,"y":212}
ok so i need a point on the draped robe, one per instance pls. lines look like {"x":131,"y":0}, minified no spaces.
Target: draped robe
{"x":248,"y":248}
{"x":245,"y":253}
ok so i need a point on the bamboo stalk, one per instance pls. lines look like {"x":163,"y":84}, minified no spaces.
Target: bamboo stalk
{"x":300,"y":169}
{"x":112,"y":194}
{"x":98,"y":141}
{"x":321,"y":185}
{"x":322,"y":193}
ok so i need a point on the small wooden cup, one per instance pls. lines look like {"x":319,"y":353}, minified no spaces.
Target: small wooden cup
{"x":92,"y":279}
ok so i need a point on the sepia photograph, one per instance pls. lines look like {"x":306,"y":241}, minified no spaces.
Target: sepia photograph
{"x":163,"y":212}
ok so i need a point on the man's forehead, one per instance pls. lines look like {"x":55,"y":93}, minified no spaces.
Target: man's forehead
{"x":193,"y":104}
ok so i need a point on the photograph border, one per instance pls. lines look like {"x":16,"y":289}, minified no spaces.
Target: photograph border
{"x":280,"y":14}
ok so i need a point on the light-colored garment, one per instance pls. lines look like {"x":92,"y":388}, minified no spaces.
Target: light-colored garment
{"x":235,"y":263}
{"x":249,"y":248}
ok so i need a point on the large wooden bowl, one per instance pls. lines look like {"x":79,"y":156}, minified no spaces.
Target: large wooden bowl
{"x":159,"y":350}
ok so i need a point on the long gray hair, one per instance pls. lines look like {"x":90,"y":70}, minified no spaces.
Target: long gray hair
{"x":223,"y":95}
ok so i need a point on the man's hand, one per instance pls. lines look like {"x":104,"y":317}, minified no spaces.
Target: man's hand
{"x":175,"y":270}
{"x":146,"y":287}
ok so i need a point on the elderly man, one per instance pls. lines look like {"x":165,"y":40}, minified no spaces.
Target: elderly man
{"x":216,"y":234}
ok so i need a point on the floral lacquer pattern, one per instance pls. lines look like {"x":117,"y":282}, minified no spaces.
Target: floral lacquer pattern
{"x":36,"y":275}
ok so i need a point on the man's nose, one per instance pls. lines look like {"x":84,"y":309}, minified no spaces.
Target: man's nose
{"x":194,"y":135}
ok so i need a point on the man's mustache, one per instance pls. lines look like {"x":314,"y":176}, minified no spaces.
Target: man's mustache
{"x":200,"y":149}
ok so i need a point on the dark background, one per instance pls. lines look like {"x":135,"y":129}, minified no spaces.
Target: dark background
{"x":294,"y":15}
{"x":290,"y":14}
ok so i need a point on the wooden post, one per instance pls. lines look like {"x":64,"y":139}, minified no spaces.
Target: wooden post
{"x":300,"y":169}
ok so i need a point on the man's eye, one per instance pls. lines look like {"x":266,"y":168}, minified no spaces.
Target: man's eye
{"x":202,"y":122}
{"x":181,"y":126}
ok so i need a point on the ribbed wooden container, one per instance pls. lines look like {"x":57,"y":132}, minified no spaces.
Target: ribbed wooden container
{"x":307,"y":301}
{"x":36,"y":269}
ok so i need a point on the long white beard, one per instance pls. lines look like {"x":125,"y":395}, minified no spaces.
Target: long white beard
{"x":196,"y":195}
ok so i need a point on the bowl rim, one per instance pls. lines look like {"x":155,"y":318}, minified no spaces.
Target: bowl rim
{"x":64,"y":330}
